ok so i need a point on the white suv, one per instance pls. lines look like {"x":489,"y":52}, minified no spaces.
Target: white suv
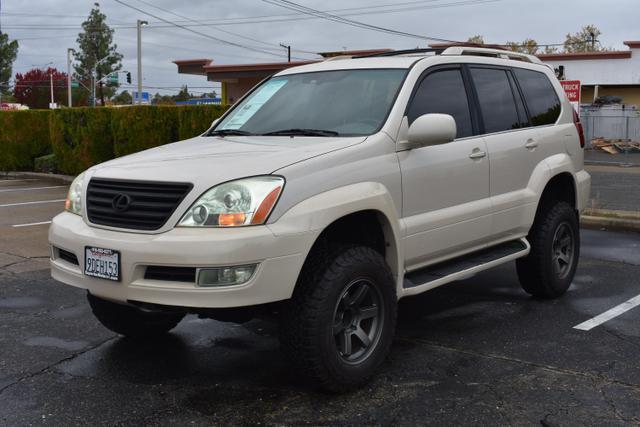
{"x":329,"y":192}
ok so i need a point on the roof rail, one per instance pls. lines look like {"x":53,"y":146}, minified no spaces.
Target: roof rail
{"x":338,"y":58}
{"x":498,"y":53}
{"x":403,"y":52}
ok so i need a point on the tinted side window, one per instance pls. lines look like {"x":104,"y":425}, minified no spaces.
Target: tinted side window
{"x":496,"y":99}
{"x":443,"y":92}
{"x":539,"y":95}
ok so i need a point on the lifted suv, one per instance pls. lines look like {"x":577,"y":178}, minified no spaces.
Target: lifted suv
{"x":329,"y":192}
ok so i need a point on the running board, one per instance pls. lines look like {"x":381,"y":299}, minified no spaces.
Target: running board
{"x":464,"y":266}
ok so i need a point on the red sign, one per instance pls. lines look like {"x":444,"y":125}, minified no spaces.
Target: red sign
{"x":572,"y":89}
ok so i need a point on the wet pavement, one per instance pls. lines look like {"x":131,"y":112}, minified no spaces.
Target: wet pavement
{"x":478,"y":351}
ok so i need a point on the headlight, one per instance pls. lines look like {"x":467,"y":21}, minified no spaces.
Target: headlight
{"x":73,"y":203}
{"x":246,"y":201}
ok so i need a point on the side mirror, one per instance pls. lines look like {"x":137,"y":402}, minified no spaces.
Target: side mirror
{"x":430,"y":129}
{"x":213,"y":123}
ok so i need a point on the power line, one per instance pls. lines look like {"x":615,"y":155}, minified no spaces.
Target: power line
{"x":335,"y":18}
{"x":356,"y":11}
{"x":200,"y":22}
{"x":197,"y":32}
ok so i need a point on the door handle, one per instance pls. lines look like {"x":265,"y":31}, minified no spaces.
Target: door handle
{"x":531,"y":144}
{"x":477,"y":154}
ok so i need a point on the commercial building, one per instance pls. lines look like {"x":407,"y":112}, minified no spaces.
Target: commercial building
{"x":607,"y":73}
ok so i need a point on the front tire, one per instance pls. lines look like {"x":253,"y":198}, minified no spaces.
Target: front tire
{"x":338,"y":327}
{"x":548,"y":270}
{"x":131,"y":321}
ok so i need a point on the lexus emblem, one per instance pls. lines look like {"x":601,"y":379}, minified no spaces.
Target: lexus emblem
{"x":121,"y":202}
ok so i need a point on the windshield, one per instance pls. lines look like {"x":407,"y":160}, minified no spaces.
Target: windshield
{"x":327,"y":103}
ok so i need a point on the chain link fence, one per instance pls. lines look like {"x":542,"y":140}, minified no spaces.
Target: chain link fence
{"x":610,"y":122}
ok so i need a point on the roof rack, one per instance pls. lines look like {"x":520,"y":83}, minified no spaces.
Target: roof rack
{"x":403,"y":52}
{"x":497,"y":53}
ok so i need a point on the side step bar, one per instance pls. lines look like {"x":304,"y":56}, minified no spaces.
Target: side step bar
{"x":467,"y":265}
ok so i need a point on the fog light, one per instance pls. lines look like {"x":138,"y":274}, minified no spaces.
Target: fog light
{"x":225,"y":276}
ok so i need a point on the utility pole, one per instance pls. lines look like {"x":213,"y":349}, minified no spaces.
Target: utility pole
{"x":69,"y":52}
{"x":288,"y":47}
{"x":139,"y":26}
{"x":51,"y":85}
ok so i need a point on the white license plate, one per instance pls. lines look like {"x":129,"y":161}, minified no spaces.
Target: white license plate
{"x":102,"y":263}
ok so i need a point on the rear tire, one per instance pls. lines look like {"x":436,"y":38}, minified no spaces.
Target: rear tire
{"x":131,"y":321}
{"x":338,"y":327}
{"x":548,"y":270}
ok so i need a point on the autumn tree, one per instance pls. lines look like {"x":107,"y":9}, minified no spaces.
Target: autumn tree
{"x":478,"y":39}
{"x":8,"y":53}
{"x":95,"y":43}
{"x":529,"y":46}
{"x":585,"y":40}
{"x":33,"y":87}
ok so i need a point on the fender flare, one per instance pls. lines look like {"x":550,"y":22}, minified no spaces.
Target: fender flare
{"x":318,"y":212}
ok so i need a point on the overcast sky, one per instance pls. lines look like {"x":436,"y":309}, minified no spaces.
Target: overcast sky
{"x":49,"y":27}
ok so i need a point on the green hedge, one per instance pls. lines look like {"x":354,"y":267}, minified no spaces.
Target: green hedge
{"x":195,"y":120}
{"x":83,"y":137}
{"x":24,"y":135}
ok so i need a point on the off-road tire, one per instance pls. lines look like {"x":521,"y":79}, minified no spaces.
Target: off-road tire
{"x":131,"y":321}
{"x":307,"y":323}
{"x":536,"y":272}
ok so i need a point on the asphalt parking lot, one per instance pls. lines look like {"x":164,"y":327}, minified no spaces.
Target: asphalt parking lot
{"x":478,"y":351}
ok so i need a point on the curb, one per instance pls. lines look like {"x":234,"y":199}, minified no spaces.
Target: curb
{"x":610,"y":223}
{"x":616,"y":164}
{"x":52,"y":176}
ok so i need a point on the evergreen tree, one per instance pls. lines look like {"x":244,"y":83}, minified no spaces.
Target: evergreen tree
{"x":8,"y":53}
{"x":95,"y":42}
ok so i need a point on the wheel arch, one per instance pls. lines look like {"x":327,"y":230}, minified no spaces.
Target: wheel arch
{"x":362,"y":213}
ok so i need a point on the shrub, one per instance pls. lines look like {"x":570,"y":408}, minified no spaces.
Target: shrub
{"x":45,"y":164}
{"x":194,"y":120}
{"x":139,"y":128}
{"x":24,"y":135}
{"x":81,"y":138}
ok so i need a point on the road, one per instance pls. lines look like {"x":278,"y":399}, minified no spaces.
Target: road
{"x":478,"y":351}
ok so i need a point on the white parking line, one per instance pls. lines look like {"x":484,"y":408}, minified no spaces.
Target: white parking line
{"x":609,"y":314}
{"x":31,"y":203}
{"x":31,"y":189}
{"x":31,"y":224}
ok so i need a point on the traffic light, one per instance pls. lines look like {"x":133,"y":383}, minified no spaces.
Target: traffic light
{"x":128,"y":77}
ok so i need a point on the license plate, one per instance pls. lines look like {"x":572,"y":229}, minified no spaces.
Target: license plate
{"x":102,"y":263}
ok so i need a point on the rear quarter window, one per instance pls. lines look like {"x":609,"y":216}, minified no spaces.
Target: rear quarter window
{"x":539,"y":95}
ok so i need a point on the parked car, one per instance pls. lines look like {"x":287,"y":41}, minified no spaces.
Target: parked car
{"x":329,"y":192}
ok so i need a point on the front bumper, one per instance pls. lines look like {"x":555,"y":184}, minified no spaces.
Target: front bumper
{"x":279,"y":260}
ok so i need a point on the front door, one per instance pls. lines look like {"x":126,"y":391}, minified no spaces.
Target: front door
{"x":445,"y":188}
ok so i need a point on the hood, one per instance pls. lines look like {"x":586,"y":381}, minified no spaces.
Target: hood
{"x":212,"y":160}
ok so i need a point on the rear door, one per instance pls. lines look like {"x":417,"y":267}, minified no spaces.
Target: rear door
{"x":513,"y":147}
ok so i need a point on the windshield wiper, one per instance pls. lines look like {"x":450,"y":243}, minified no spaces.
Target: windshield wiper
{"x":229,"y":132}
{"x":302,"y":132}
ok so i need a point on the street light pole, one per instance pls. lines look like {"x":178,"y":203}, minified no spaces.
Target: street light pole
{"x":69,"y":51}
{"x":139,"y":26}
